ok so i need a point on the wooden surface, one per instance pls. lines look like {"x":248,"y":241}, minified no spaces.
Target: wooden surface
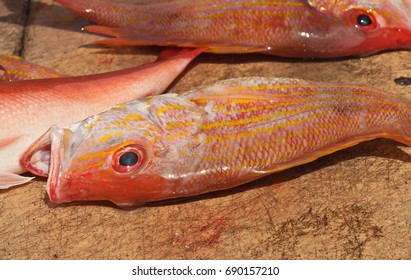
{"x":354,"y":204}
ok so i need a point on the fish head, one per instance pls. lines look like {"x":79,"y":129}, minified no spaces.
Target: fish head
{"x":347,"y":27}
{"x":122,"y":155}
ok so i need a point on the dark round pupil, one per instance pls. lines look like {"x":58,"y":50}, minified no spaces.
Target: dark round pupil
{"x":364,"y":20}
{"x":128,"y":159}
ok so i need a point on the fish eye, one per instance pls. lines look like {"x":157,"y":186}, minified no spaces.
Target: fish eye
{"x":128,"y":158}
{"x":364,"y":20}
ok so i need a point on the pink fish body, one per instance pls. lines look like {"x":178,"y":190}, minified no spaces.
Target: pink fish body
{"x":291,"y":28}
{"x":29,"y":108}
{"x":212,"y":138}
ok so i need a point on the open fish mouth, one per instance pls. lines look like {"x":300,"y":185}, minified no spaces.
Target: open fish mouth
{"x":36,"y":158}
{"x":42,"y":158}
{"x":46,"y":155}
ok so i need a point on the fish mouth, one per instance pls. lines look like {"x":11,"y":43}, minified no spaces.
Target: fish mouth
{"x":47,"y":157}
{"x":42,"y":158}
{"x":36,"y":159}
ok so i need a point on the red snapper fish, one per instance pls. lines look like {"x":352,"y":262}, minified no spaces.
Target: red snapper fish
{"x":212,"y":138}
{"x":29,"y":108}
{"x":289,"y":28}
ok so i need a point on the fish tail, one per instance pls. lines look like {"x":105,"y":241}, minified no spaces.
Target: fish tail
{"x":102,"y":12}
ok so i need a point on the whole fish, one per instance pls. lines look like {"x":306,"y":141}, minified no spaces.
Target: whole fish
{"x":13,"y":68}
{"x":212,"y":138}
{"x":29,"y":108}
{"x":290,"y":28}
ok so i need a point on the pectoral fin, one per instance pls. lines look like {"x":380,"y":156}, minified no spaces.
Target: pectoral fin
{"x":8,"y":180}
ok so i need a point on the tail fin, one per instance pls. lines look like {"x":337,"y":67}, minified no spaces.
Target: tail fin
{"x":14,"y":68}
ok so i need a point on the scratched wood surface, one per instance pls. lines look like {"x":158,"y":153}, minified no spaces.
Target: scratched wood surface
{"x":354,"y":204}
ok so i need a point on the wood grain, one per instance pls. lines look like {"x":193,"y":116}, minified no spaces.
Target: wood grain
{"x":354,"y":204}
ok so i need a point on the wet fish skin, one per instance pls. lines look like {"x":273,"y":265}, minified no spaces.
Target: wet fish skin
{"x":213,"y":138}
{"x":290,"y":28}
{"x":29,"y":108}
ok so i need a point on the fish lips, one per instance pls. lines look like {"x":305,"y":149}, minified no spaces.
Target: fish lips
{"x":45,"y":156}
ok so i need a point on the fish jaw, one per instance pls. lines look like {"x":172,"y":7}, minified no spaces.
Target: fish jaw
{"x":65,"y":188}
{"x":397,"y":37}
{"x":54,"y":135}
{"x":387,"y":39}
